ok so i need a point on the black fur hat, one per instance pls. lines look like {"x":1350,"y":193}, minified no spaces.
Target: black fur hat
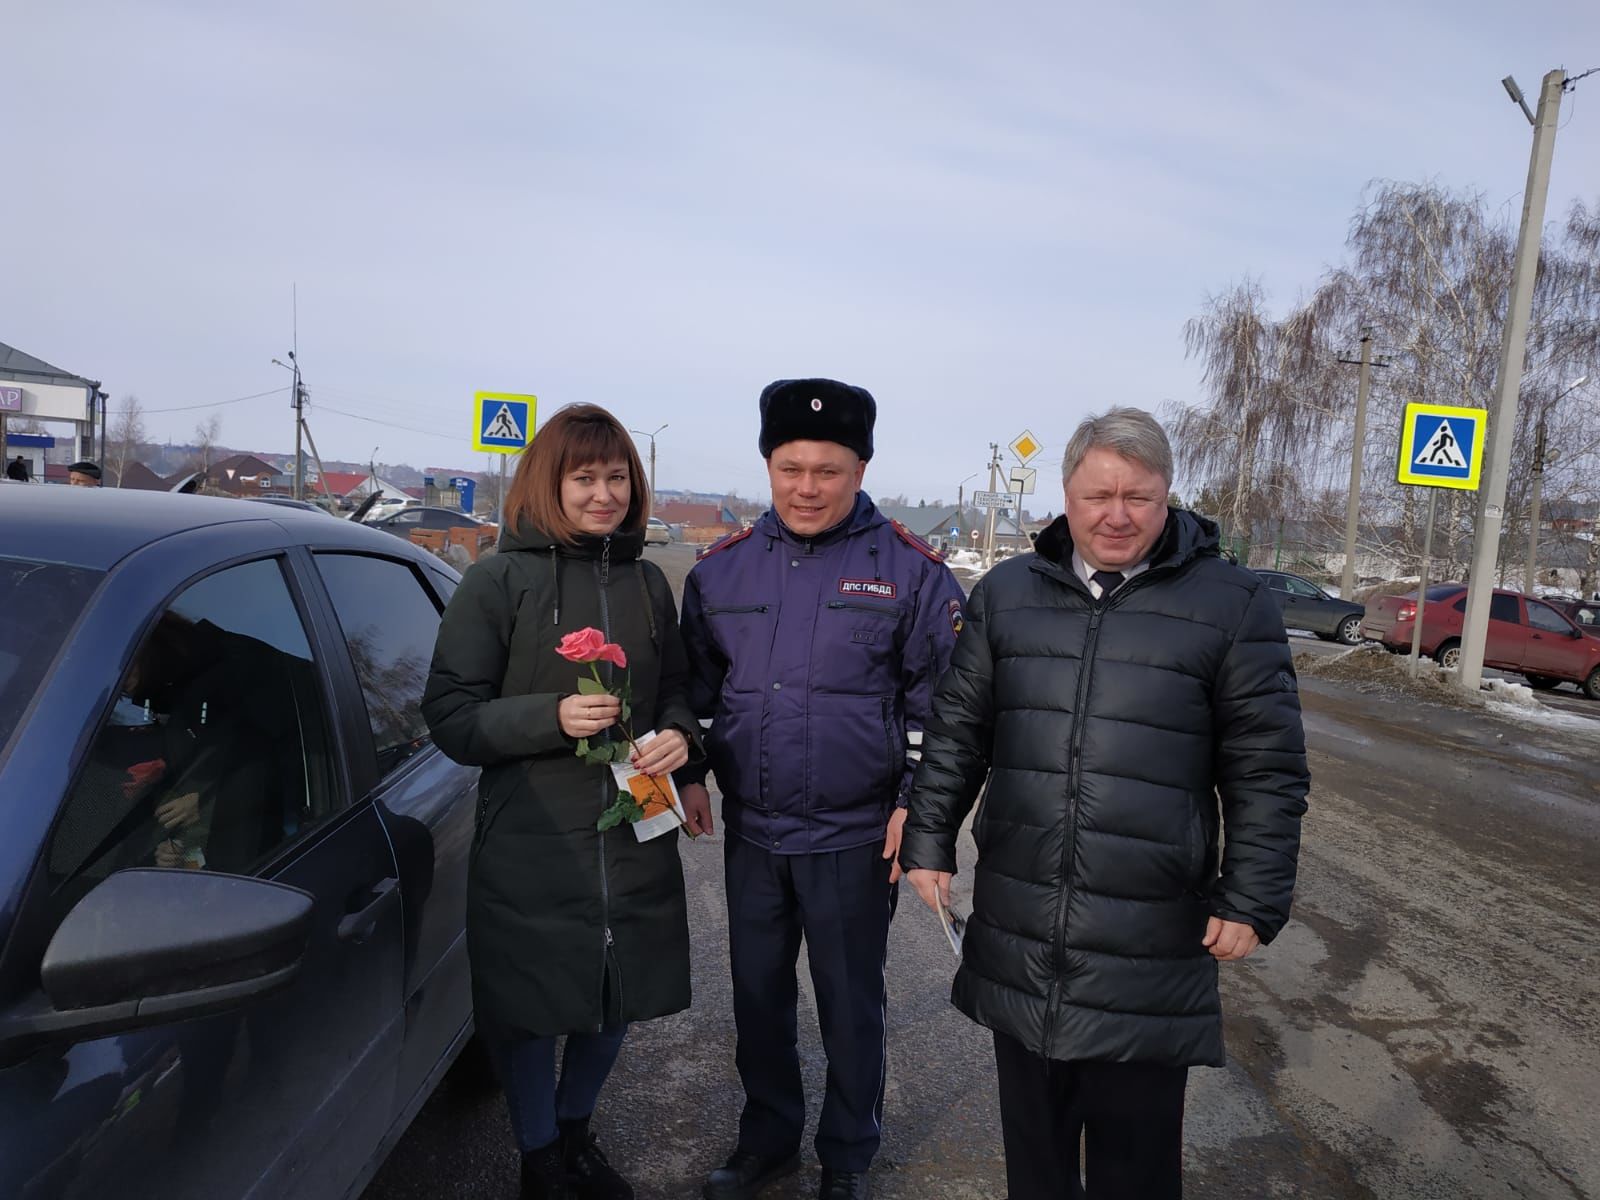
{"x":817,"y":410}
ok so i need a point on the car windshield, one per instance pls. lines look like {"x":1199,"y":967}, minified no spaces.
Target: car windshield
{"x":38,"y":603}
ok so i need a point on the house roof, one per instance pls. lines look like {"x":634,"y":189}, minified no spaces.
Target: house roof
{"x":340,"y":483}
{"x":142,"y":479}
{"x":15,"y":362}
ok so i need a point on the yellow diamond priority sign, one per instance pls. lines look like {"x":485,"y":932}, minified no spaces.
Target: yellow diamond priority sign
{"x":1025,"y":447}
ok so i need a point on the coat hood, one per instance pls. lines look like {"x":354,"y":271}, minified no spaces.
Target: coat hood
{"x":525,"y":537}
{"x":1187,"y":536}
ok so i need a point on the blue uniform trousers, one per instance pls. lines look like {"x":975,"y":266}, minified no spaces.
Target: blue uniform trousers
{"x":841,"y":903}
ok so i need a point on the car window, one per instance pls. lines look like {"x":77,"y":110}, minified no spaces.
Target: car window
{"x":1461,"y":603}
{"x":1505,"y":608}
{"x":38,"y":604}
{"x":1299,"y":587}
{"x":1586,"y":616}
{"x":390,"y":622}
{"x":216,"y":752}
{"x":407,"y":516}
{"x":1542,"y":616}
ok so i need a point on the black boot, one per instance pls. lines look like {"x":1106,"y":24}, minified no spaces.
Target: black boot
{"x":543,"y":1175}
{"x":843,"y":1185}
{"x":593,"y":1178}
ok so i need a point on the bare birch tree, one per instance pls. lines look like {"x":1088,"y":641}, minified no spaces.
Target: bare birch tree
{"x":127,"y":433}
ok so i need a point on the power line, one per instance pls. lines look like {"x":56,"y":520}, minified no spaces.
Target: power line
{"x":386,"y":422}
{"x":213,"y":403}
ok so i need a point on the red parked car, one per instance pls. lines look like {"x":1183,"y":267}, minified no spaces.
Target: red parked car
{"x":1526,"y":635}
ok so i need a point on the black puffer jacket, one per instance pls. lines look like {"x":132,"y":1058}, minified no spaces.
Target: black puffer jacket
{"x":557,"y":911}
{"x":1107,"y":731}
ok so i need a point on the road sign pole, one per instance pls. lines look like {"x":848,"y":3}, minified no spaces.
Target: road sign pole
{"x":1422,"y":582}
{"x":1491,"y":512}
{"x":500,"y":500}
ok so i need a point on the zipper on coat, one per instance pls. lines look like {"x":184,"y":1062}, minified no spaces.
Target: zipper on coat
{"x":737,"y":608}
{"x":889,"y":740}
{"x":1098,"y":609}
{"x":871,"y":608}
{"x":607,"y":787}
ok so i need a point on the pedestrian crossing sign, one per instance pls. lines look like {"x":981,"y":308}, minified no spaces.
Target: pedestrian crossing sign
{"x":502,"y":422}
{"x":1442,"y":446}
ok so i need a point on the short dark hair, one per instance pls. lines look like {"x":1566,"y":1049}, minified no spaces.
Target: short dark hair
{"x":575,"y":436}
{"x":85,"y":467}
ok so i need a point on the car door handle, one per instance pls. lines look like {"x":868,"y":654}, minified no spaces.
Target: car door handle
{"x":357,"y":925}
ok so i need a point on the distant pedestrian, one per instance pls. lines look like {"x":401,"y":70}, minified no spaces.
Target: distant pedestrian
{"x":560,"y":914}
{"x":18,"y":470}
{"x":816,"y":637}
{"x":84,"y":474}
{"x":1129,"y":699}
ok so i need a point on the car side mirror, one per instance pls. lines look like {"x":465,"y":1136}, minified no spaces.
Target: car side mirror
{"x":150,"y":946}
{"x":1574,"y":632}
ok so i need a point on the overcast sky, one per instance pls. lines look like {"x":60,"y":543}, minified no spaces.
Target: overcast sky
{"x":993,"y":216}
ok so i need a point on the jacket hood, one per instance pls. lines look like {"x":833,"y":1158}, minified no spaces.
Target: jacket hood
{"x":1187,"y":536}
{"x":864,"y":515}
{"x":525,"y":537}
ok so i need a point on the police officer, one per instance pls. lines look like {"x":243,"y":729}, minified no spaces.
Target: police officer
{"x":815,"y":638}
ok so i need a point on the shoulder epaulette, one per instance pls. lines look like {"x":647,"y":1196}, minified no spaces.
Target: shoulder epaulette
{"x":732,"y":539}
{"x":916,"y":543}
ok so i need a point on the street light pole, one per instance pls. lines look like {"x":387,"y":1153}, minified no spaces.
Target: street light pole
{"x":1530,"y":571}
{"x":652,"y":437}
{"x":1491,"y":514}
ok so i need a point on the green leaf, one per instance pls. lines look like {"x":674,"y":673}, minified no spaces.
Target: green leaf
{"x":627,"y":711}
{"x":591,"y":687}
{"x":623,"y":808}
{"x":598,"y":754}
{"x":610,"y":819}
{"x":583,"y":748}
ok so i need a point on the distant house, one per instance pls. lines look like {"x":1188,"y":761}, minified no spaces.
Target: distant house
{"x":946,"y":525}
{"x":244,"y":475}
{"x":677,"y":512}
{"x":139,"y":478}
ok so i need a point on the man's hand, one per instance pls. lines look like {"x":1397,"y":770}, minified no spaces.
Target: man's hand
{"x":1229,"y":941}
{"x":696,"y":807}
{"x":662,"y":754}
{"x":932,"y":886}
{"x":584,"y":716}
{"x":891,"y":843}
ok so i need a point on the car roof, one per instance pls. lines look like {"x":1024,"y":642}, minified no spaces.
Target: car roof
{"x":99,"y":527}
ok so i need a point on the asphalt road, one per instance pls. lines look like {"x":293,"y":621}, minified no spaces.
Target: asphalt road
{"x":1427,"y":1025}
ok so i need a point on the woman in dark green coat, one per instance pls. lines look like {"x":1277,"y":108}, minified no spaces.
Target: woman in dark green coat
{"x":570,"y":931}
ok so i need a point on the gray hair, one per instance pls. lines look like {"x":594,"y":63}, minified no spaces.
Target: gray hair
{"x":1130,"y":432}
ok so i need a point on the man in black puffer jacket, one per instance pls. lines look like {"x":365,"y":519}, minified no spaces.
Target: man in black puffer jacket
{"x":1128,"y":695}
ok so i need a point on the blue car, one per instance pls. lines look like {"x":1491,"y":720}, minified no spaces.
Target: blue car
{"x":232,"y":865}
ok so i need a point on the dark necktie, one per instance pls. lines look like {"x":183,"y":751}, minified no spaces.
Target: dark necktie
{"x":1109,"y":581}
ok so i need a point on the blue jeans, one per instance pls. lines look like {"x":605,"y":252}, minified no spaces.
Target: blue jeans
{"x":527,"y":1071}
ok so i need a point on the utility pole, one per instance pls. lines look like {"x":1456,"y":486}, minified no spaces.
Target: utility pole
{"x":1530,"y":571}
{"x":1352,"y":506}
{"x":652,"y":437}
{"x":1491,"y":513}
{"x":297,"y":401}
{"x":994,"y":467}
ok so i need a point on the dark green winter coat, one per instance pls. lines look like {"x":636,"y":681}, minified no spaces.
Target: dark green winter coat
{"x":560,"y":915}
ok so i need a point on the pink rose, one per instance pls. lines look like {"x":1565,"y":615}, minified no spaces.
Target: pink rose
{"x":612,"y":653}
{"x":583,"y":646}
